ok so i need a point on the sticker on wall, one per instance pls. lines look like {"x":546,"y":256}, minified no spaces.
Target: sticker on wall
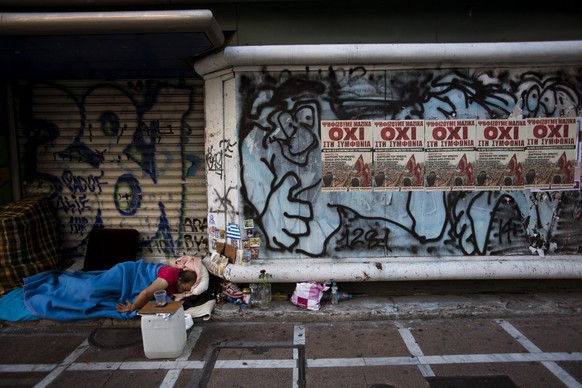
{"x":212,"y":225}
{"x":246,"y":257}
{"x":254,"y":253}
{"x":255,"y":242}
{"x":233,"y":231}
{"x":249,"y":226}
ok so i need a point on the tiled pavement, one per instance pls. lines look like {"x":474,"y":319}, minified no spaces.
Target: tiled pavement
{"x":538,"y":351}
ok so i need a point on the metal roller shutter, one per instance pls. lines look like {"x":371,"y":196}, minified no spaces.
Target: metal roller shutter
{"x":118,"y":154}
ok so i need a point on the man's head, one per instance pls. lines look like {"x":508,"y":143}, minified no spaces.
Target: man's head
{"x":186,"y":281}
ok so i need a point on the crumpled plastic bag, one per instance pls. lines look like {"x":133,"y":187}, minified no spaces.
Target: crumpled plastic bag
{"x":307,"y":295}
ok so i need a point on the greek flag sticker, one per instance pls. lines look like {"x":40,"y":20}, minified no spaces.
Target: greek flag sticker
{"x":233,"y":231}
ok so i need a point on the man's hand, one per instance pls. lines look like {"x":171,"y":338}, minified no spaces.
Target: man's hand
{"x":124,"y":307}
{"x":144,"y":296}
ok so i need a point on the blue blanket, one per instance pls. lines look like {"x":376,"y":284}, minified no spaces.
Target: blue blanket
{"x":12,"y":307}
{"x":73,"y":296}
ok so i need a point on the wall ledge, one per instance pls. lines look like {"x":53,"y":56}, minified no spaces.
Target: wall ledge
{"x":410,"y":269}
{"x":405,"y":55}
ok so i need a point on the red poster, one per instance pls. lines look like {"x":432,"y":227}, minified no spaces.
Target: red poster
{"x":500,"y":154}
{"x":551,"y":153}
{"x":399,"y":155}
{"x":347,"y":155}
{"x":450,"y":154}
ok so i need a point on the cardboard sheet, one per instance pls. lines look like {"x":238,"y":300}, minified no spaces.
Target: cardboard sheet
{"x":151,"y":308}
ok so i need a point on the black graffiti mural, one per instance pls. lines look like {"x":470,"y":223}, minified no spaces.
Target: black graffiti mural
{"x":115,"y":154}
{"x":281,"y":174}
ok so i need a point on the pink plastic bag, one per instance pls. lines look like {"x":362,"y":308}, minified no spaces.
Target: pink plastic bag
{"x":307,"y":295}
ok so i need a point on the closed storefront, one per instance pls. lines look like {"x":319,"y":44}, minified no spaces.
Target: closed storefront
{"x":117,"y":154}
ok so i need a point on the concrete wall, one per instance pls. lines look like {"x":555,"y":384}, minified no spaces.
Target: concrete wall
{"x":277,"y":181}
{"x":348,"y":22}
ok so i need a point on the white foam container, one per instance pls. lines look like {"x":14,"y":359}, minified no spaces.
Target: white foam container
{"x":163,"y":337}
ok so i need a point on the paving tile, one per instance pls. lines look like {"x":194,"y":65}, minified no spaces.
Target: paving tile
{"x":556,"y":334}
{"x":184,"y":379}
{"x":251,"y":378}
{"x":30,"y":348}
{"x":255,"y":353}
{"x":471,"y":381}
{"x":220,"y":334}
{"x":468,"y":336}
{"x":573,"y":368}
{"x":364,"y":377}
{"x":109,"y":379}
{"x":132,"y":353}
{"x":68,"y":379}
{"x":523,"y":374}
{"x":21,"y":379}
{"x":353,"y":339}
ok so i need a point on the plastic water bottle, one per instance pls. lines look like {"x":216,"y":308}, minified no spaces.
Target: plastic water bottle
{"x":343,"y":296}
{"x":334,"y":293}
{"x":255,"y":302}
{"x":340,"y":296}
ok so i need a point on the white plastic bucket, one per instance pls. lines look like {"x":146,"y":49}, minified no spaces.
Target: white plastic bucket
{"x":163,"y":336}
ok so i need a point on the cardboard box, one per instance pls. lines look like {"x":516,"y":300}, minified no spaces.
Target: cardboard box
{"x":151,"y":308}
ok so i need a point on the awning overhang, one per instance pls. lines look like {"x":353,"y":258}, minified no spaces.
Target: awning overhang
{"x":126,"y":44}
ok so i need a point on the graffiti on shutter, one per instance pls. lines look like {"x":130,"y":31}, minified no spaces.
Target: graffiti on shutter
{"x":118,"y":154}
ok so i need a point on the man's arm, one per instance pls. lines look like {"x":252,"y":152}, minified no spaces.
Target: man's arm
{"x":144,"y":296}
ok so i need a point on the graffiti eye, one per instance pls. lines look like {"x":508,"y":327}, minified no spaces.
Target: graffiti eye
{"x":287,"y":123}
{"x":127,"y":195}
{"x":532,"y":99}
{"x":109,"y":123}
{"x":306,"y":116}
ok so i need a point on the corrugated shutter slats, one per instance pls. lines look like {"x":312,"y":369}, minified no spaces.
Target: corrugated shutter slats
{"x":118,"y":154}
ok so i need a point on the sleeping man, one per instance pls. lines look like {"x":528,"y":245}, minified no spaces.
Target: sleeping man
{"x":171,"y":279}
{"x":116,"y":293}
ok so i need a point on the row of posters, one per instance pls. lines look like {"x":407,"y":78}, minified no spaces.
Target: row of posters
{"x":407,"y":155}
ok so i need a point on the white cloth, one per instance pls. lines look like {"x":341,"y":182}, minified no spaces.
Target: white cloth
{"x":204,"y":310}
